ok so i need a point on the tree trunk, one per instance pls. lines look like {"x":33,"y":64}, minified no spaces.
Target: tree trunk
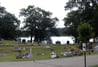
{"x":31,"y":39}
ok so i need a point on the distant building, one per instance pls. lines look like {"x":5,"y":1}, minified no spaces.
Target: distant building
{"x":62,"y":39}
{"x":25,"y":39}
{"x":54,"y":39}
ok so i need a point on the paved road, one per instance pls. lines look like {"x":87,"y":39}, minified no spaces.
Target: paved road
{"x":64,"y":62}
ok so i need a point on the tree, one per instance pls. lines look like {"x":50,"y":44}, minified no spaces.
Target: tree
{"x":86,"y":11}
{"x":85,"y":32}
{"x":38,"y":22}
{"x":81,"y":4}
{"x":8,"y":24}
{"x":71,"y":22}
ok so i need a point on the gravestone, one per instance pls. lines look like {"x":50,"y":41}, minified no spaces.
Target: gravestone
{"x":30,"y":56}
{"x":47,"y":45}
{"x":17,"y":48}
{"x":96,"y":48}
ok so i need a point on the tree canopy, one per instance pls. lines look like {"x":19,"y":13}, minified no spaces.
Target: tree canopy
{"x":38,"y":22}
{"x":8,"y":24}
{"x":85,"y":11}
{"x":85,"y":32}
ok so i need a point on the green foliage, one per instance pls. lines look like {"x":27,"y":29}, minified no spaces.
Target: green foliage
{"x":38,"y":22}
{"x":81,"y":4}
{"x":71,"y":23}
{"x":85,"y":32}
{"x":86,"y":11}
{"x":8,"y":24}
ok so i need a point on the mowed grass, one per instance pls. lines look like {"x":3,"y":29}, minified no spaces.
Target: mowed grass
{"x":7,"y":52}
{"x":38,"y":52}
{"x":95,"y":66}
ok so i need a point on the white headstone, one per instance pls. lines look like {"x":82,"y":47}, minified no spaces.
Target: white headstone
{"x":30,"y":54}
{"x":96,"y":49}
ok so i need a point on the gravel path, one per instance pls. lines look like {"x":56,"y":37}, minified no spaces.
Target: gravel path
{"x":64,"y":62}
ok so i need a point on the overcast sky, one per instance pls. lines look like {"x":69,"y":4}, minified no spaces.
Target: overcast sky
{"x":54,"y":6}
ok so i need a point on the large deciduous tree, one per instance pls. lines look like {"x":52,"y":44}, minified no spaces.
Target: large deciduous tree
{"x":8,"y":24}
{"x":38,"y":22}
{"x":85,"y":11}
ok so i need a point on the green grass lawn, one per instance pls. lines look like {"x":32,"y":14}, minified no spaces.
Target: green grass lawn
{"x":38,"y":52}
{"x":95,"y":66}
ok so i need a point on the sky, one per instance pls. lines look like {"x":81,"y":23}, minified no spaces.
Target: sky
{"x":54,"y":6}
